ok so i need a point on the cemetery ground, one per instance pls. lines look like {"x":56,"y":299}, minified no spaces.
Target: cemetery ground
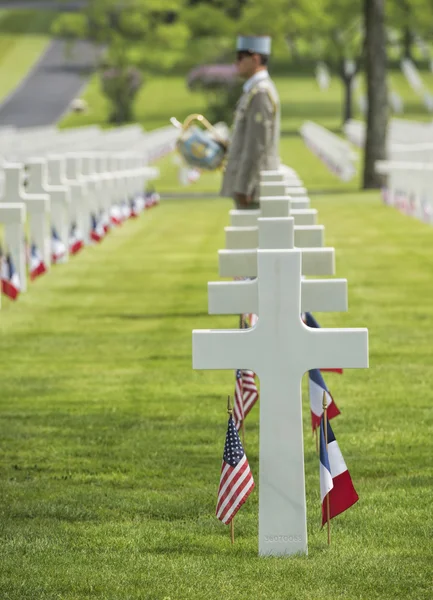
{"x":111,"y":445}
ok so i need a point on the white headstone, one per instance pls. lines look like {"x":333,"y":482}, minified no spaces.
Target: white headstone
{"x":37,"y":205}
{"x":13,"y":217}
{"x":280,"y":349}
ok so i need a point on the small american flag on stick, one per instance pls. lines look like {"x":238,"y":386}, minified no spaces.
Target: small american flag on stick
{"x":246,"y":395}
{"x":236,"y":481}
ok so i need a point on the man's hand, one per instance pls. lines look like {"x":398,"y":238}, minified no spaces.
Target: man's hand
{"x":243,"y":199}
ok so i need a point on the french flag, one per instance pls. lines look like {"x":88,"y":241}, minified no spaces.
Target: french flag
{"x":250,"y":319}
{"x":58,"y":248}
{"x":152,"y":198}
{"x":125,"y":210}
{"x":37,"y":265}
{"x":97,"y":232}
{"x":317,"y":388}
{"x":105,"y":221}
{"x":116,"y":215}
{"x":134,"y":208}
{"x":139,"y":202}
{"x":335,"y":480}
{"x":310,"y":321}
{"x":76,"y":241}
{"x":10,"y":281}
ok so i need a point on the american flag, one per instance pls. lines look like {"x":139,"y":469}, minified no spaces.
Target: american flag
{"x":236,"y":481}
{"x":246,"y":395}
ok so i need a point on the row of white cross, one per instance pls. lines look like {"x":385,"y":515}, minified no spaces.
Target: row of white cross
{"x":279,"y":246}
{"x":408,"y":166}
{"x":333,"y":151}
{"x":48,"y":181}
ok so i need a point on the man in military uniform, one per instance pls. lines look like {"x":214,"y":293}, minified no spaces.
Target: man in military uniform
{"x":256,"y":131}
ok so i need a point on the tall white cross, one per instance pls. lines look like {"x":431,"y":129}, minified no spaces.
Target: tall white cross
{"x":37,"y":208}
{"x":13,"y":217}
{"x":280,"y":348}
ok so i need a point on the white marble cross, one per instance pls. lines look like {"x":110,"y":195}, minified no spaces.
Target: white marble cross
{"x":243,"y":232}
{"x":13,"y":217}
{"x":243,"y":263}
{"x":280,"y":188}
{"x":280,"y":348}
{"x":236,"y":297}
{"x":38,"y":208}
{"x":40,"y":172}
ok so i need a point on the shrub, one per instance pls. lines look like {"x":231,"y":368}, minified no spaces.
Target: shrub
{"x":121,"y":86}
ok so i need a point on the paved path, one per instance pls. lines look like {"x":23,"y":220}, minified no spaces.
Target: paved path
{"x":45,"y":94}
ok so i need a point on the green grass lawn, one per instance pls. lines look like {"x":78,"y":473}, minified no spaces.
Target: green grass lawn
{"x":24,"y":35}
{"x":111,"y":444}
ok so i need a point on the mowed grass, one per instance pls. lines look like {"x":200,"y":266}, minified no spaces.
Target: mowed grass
{"x":24,"y":35}
{"x":111,"y":445}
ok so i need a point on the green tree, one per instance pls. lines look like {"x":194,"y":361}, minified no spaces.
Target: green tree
{"x":332,"y":28}
{"x":409,"y":18}
{"x":137,"y":35}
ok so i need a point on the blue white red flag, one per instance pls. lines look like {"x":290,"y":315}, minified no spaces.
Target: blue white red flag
{"x":310,"y":321}
{"x":58,"y":248}
{"x":76,"y":240}
{"x":105,"y":221}
{"x":116,"y":215}
{"x":37,"y":265}
{"x":317,"y":386}
{"x":134,"y":208}
{"x":236,"y":480}
{"x":152,"y":198}
{"x":335,"y":480}
{"x":250,"y":319}
{"x":10,"y":281}
{"x":140,"y":201}
{"x":125,"y":210}
{"x":97,"y":232}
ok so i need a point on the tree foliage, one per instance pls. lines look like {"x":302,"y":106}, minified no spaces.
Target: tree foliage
{"x":141,"y":33}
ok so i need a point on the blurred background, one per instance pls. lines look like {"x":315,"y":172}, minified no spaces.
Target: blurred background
{"x":105,"y":62}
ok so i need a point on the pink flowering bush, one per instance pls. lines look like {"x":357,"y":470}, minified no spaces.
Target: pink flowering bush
{"x":222,"y":87}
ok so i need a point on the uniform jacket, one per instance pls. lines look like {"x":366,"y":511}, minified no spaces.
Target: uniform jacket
{"x":255,"y":140}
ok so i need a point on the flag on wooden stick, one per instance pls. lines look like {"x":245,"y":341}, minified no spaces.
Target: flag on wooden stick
{"x":236,"y":481}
